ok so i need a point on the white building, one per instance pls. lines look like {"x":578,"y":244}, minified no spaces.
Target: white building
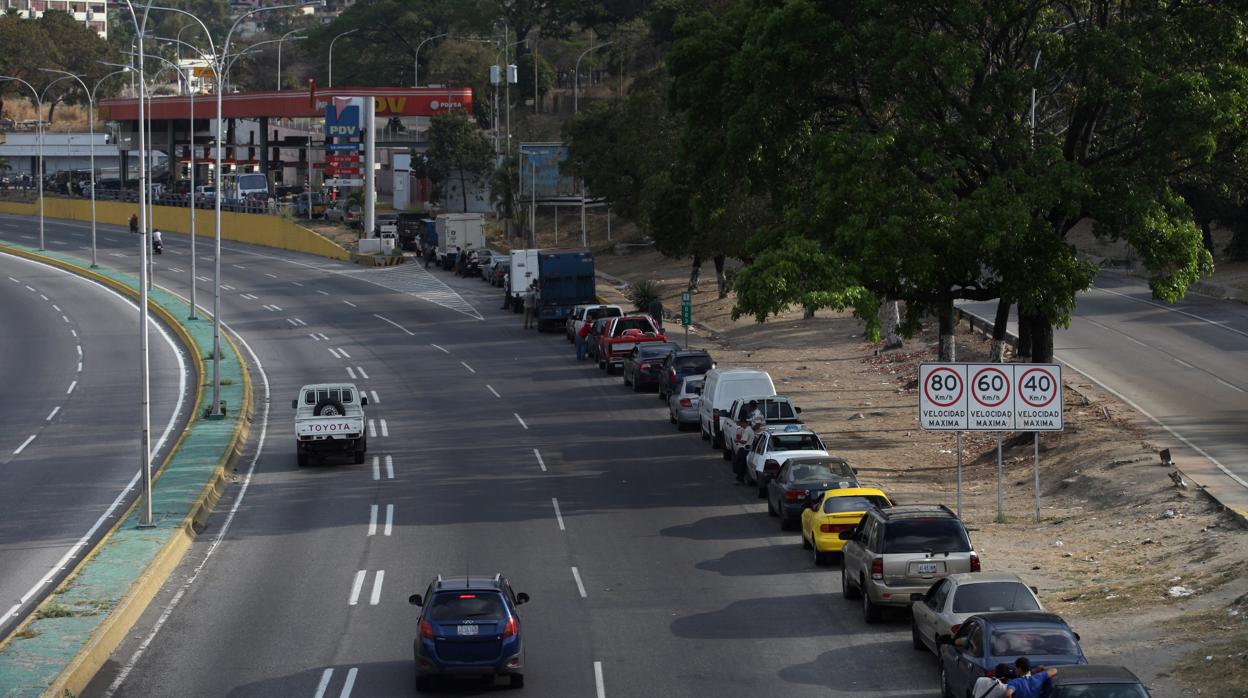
{"x":61,"y":152}
{"x":93,"y":13}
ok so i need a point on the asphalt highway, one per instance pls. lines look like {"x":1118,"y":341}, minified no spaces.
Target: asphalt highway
{"x":492,"y":450}
{"x":69,"y":449}
{"x":1181,"y":364}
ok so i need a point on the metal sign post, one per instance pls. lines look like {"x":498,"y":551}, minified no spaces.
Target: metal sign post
{"x":958,"y":434}
{"x":686,"y":314}
{"x":1000,"y":485}
{"x":1035,"y":467}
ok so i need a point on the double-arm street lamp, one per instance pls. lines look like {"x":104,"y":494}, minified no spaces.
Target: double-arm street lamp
{"x":279,"y":54}
{"x":416,"y":61}
{"x":576,"y":80}
{"x":331,"y":53}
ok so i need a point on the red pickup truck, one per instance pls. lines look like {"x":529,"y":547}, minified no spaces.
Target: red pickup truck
{"x":622,"y":334}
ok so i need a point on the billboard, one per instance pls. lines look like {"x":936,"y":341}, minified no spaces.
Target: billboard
{"x":343,"y":121}
{"x":539,"y":165}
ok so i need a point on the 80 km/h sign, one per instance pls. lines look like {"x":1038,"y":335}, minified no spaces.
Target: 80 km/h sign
{"x":990,"y":397}
{"x":942,"y":401}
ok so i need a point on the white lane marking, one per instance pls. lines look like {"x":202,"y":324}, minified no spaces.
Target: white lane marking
{"x":375,"y":598}
{"x":344,"y":353}
{"x":323,"y":293}
{"x":492,"y":390}
{"x":353,"y":305}
{"x":58,"y":242}
{"x":239,"y":266}
{"x":1185,"y":313}
{"x":116,"y":254}
{"x":376,"y":467}
{"x":322,"y":334}
{"x":53,"y":413}
{"x":31,"y":288}
{"x":599,"y":686}
{"x":392,"y":322}
{"x":176,"y":270}
{"x":372,"y":429}
{"x":74,"y":332}
{"x":356,"y":586}
{"x":389,"y":467}
{"x":540,"y":463}
{"x":79,"y":347}
{"x":205,"y":279}
{"x":518,"y":419}
{"x":360,"y":370}
{"x":1183,"y":363}
{"x":1226,"y":471}
{"x":271,"y":276}
{"x":65,"y":318}
{"x":350,"y":683}
{"x":385,"y":429}
{"x":14,"y":280}
{"x":334,"y":353}
{"x":24,"y":444}
{"x":325,"y":675}
{"x":470,"y":369}
{"x":373,"y":395}
{"x":224,"y":287}
{"x":1230,"y":385}
{"x":56,"y":307}
{"x":296,"y":283}
{"x":80,"y":367}
{"x":292,"y":322}
{"x":43,"y":296}
{"x":580,"y":587}
{"x":1133,"y":339}
{"x":300,"y":322}
{"x":249,"y":296}
{"x":444,"y":351}
{"x":72,"y":385}
{"x":274,"y":308}
{"x":389,"y":520}
{"x":372,"y":519}
{"x":351,"y":372}
{"x":558,"y":514}
{"x":314,"y":337}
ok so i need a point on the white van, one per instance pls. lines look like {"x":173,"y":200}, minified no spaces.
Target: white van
{"x":722,"y":386}
{"x":523,"y":271}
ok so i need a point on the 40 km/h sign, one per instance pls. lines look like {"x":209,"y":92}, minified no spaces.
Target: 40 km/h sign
{"x":990,"y":397}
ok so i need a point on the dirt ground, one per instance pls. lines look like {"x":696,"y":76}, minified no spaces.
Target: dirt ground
{"x":1121,"y":552}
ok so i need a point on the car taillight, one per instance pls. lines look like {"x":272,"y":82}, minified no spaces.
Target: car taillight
{"x":974,"y":562}
{"x":877,"y":568}
{"x":426,"y":629}
{"x":511,"y":628}
{"x":833,"y":528}
{"x":794,"y":495}
{"x":953,"y":629}
{"x":686,"y":402}
{"x":671,"y":375}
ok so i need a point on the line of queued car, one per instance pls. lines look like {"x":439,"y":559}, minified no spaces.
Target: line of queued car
{"x":892,"y":556}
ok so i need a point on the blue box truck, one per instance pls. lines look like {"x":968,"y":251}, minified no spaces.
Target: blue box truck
{"x":566,"y":280}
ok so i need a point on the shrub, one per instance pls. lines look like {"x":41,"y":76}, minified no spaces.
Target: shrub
{"x":643,"y":293}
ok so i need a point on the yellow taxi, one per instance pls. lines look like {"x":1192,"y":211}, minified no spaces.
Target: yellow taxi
{"x":833,"y":511}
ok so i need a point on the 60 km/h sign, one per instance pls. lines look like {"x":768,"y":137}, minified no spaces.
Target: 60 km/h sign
{"x":990,"y":397}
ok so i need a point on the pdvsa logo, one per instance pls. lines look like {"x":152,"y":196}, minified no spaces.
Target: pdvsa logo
{"x":436,"y":105}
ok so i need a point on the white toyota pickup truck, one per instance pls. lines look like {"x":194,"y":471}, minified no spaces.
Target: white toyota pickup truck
{"x":329,"y":420}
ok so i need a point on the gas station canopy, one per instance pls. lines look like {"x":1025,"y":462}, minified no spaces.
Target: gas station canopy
{"x":390,"y":102}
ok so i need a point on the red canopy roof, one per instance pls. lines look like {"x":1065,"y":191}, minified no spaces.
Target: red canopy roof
{"x":390,"y":101}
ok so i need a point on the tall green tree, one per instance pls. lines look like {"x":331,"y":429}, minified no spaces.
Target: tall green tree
{"x":26,"y":48}
{"x":80,"y":50}
{"x":457,"y":149}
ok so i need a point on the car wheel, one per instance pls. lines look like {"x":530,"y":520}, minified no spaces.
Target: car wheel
{"x":848,"y":590}
{"x":701,"y":428}
{"x":424,"y":683}
{"x":944,"y":683}
{"x":717,"y":440}
{"x":786,"y":524}
{"x":359,"y":457}
{"x":771,"y":511}
{"x":601,"y":365}
{"x":636,"y":388}
{"x":870,"y":611}
{"x":671,"y":417}
{"x":302,"y":459}
{"x":517,"y":680}
{"x":915,"y":640}
{"x":805,"y":542}
{"x":762,"y":491}
{"x":727,"y":454}
{"x":624,"y":377}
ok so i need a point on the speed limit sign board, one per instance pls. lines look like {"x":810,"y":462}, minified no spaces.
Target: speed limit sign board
{"x":990,"y":397}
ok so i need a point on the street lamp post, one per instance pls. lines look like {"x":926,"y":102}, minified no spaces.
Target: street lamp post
{"x":416,"y":61}
{"x":39,"y":137}
{"x":576,"y":79}
{"x":279,"y":55}
{"x":91,"y":127}
{"x":331,"y":53}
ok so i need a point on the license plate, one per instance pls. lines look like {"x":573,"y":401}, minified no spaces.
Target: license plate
{"x":927,"y":569}
{"x":469,"y":630}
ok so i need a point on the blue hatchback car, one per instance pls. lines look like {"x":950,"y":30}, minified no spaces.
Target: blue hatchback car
{"x":469,"y":627}
{"x":988,"y":639}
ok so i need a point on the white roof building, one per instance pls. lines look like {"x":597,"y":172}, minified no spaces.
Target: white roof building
{"x":93,"y":13}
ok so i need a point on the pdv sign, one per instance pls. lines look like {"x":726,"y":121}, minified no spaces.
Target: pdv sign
{"x":342,"y":118}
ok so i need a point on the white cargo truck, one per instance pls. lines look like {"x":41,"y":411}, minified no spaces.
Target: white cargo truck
{"x":523,"y":271}
{"x":329,"y":420}
{"x":458,"y":232}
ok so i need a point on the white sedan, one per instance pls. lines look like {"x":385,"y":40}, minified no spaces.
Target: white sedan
{"x":770,"y":450}
{"x":957,"y":597}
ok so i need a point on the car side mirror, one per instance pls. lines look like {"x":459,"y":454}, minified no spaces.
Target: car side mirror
{"x":363,"y":401}
{"x":916,"y":598}
{"x":416,"y":600}
{"x":1077,"y":638}
{"x":798,"y":410}
{"x":294,"y":404}
{"x":944,"y":639}
{"x":522,"y":598}
{"x":854,"y":470}
{"x":846,"y":535}
{"x":1034,"y":590}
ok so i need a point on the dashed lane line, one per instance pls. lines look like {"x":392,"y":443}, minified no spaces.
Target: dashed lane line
{"x":580,"y":587}
{"x":492,"y":390}
{"x":372,"y":520}
{"x":24,"y":444}
{"x":351,"y":372}
{"x":356,"y":587}
{"x":558,"y":514}
{"x":392,"y":322}
{"x":372,"y":428}
{"x":389,"y":520}
{"x":53,"y":413}
{"x":334,"y":353}
{"x":599,"y":684}
{"x":360,"y":370}
{"x":518,"y":419}
{"x":465,"y":365}
{"x":373,"y":395}
{"x":385,"y":429}
{"x":375,"y":597}
{"x":344,"y":353}
{"x":376,"y":467}
{"x":441,"y":349}
{"x":72,"y":385}
{"x":353,"y":305}
{"x":540,"y":463}
{"x":389,"y":467}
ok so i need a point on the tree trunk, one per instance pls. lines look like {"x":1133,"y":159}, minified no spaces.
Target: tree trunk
{"x":1000,"y":323}
{"x":1238,"y":247}
{"x":1041,"y":340}
{"x":892,"y":323}
{"x":808,"y":313}
{"x":694,"y":273}
{"x":947,"y":326}
{"x":1206,"y":236}
{"x":463,"y":189}
{"x":1024,"y":336}
{"x":51,"y":110}
{"x":720,"y":278}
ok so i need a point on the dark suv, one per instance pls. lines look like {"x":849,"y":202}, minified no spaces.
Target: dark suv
{"x":680,"y":364}
{"x":469,"y":626}
{"x":900,"y":551}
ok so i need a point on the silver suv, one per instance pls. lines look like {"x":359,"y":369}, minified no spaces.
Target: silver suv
{"x":900,"y":551}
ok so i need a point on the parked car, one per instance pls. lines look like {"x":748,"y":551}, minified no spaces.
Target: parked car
{"x":642,"y":365}
{"x":1096,"y":681}
{"x":943,"y":608}
{"x":801,"y":479}
{"x":469,"y":627}
{"x":682,"y":404}
{"x":592,"y":341}
{"x":829,"y":513}
{"x":679,"y":364}
{"x":723,"y":385}
{"x":989,"y":639}
{"x":621,"y":334}
{"x":499,"y":266}
{"x":900,"y":551}
{"x":771,"y":450}
{"x":776,"y":410}
{"x":582,"y":314}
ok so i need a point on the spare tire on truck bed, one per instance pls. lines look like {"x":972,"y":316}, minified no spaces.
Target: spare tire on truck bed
{"x":321,"y":408}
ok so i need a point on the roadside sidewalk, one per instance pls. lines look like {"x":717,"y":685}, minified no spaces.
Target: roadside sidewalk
{"x":73,"y":632}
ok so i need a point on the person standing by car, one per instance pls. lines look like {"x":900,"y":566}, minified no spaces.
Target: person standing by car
{"x":994,"y":686}
{"x":530,"y":305}
{"x":744,"y":438}
{"x":1029,"y":684}
{"x":582,"y":333}
{"x":134,"y":222}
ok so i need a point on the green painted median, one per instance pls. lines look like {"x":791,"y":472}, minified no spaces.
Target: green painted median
{"x":77,"y":627}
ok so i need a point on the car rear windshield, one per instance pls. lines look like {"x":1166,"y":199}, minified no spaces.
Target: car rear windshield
{"x":796,"y":442}
{"x":993,"y":596}
{"x":1099,"y":690}
{"x":925,"y":535}
{"x":632,"y":324}
{"x":694,"y":364}
{"x":656,"y":350}
{"x":846,"y":505}
{"x":806,"y":471}
{"x":1011,"y":642}
{"x":779,"y":410}
{"x":693,"y":387}
{"x":481,"y":605}
{"x":595,"y":313}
